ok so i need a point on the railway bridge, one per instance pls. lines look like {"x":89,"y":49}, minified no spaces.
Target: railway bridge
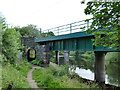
{"x":70,"y":38}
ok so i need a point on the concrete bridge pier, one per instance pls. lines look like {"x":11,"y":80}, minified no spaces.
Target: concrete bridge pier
{"x":99,"y":67}
{"x":66,"y":56}
{"x":57,"y":57}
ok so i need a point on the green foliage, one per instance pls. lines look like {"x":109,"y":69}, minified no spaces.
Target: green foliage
{"x":48,"y":34}
{"x":11,"y":44}
{"x":105,"y":15}
{"x":32,"y":53}
{"x":0,"y":75}
{"x":39,"y":62}
{"x":16,"y":73}
{"x":3,"y":24}
{"x":2,"y":28}
{"x":52,"y":59}
{"x":83,"y":60}
{"x":113,"y":67}
{"x":55,"y":77}
{"x":28,"y":31}
{"x":112,"y":57}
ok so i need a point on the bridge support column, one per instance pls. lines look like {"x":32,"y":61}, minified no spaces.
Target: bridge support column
{"x":99,"y":75}
{"x":42,"y":52}
{"x":66,"y":56}
{"x":57,"y":57}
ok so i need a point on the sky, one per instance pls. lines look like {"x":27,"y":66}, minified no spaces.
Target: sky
{"x":43,"y":13}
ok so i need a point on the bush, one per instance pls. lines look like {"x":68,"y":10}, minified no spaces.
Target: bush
{"x":52,"y":59}
{"x":55,"y":77}
{"x":62,"y":70}
{"x":38,"y":62}
{"x":16,"y":73}
{"x":53,"y":70}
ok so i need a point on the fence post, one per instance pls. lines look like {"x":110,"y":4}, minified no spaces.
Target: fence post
{"x":70,"y":28}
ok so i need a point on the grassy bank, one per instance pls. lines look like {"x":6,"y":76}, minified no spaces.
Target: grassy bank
{"x":57,"y":77}
{"x":16,"y":74}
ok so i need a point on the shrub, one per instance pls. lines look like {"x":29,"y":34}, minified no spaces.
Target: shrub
{"x":55,"y":77}
{"x":38,"y":62}
{"x":53,"y":70}
{"x":16,"y":73}
{"x":52,"y":59}
{"x":62,"y":70}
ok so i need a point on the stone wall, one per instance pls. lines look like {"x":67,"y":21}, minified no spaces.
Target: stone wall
{"x":28,"y":41}
{"x":42,"y":51}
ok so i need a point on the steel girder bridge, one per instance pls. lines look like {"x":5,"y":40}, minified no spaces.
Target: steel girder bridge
{"x":69,"y":37}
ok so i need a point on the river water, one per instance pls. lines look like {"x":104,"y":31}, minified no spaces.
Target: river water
{"x":85,"y":69}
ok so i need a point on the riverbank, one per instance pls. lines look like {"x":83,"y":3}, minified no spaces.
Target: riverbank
{"x":15,"y":74}
{"x":58,"y":77}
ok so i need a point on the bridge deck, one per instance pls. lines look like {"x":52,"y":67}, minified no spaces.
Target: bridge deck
{"x":79,"y":41}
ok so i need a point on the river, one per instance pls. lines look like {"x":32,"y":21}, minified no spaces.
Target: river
{"x":85,"y":69}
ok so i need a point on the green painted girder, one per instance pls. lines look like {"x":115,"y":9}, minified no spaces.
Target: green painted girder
{"x":61,"y":37}
{"x":79,"y":41}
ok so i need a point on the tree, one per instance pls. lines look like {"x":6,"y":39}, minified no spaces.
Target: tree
{"x":10,"y":42}
{"x":3,"y":26}
{"x":48,"y":34}
{"x":105,"y":20}
{"x":28,"y":31}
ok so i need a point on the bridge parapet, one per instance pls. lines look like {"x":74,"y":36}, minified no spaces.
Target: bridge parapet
{"x":70,"y":37}
{"x":68,"y":28}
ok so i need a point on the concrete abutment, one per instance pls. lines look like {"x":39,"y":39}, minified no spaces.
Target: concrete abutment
{"x":99,"y":69}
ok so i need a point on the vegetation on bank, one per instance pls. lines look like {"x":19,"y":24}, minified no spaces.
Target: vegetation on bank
{"x":58,"y":77}
{"x":39,"y":62}
{"x":15,"y":74}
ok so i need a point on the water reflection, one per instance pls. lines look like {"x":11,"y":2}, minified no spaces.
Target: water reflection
{"x":84,"y":66}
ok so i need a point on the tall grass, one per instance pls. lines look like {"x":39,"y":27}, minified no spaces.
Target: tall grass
{"x":0,"y":76}
{"x":16,"y":74}
{"x":54,"y":77}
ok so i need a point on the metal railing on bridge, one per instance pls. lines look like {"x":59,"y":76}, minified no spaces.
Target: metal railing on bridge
{"x":65,"y":29}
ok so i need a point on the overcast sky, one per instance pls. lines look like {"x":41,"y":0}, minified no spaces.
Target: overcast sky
{"x":43,"y":13}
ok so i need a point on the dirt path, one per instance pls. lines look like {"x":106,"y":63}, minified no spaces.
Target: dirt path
{"x":32,"y":82}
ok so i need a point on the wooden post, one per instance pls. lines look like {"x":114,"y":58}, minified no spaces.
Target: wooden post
{"x":100,"y":67}
{"x":57,"y":57}
{"x":66,"y":56}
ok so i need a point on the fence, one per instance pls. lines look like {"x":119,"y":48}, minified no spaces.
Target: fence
{"x":67,"y":29}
